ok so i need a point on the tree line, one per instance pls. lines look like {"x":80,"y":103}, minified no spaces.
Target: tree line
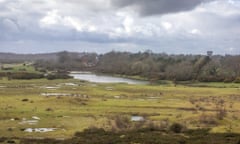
{"x":149,"y":65}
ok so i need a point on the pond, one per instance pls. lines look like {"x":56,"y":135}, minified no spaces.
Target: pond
{"x":41,"y":130}
{"x":91,"y":77}
{"x":137,"y":118}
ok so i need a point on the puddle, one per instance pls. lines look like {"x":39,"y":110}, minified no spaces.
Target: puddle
{"x":49,"y":87}
{"x":55,"y":94}
{"x":41,"y":130}
{"x":30,"y":122}
{"x":117,"y":97}
{"x":35,"y":118}
{"x":137,"y":118}
{"x":70,"y":84}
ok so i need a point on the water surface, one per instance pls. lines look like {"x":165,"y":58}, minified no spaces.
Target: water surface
{"x":137,"y":118}
{"x":91,"y":77}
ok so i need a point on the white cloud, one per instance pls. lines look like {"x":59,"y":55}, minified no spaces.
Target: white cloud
{"x":128,"y":24}
{"x":53,"y":19}
{"x":73,"y":22}
{"x":231,"y":49}
{"x":195,"y":32}
{"x":166,"y":25}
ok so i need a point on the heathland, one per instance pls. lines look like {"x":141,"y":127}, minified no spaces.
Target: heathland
{"x":41,"y":105}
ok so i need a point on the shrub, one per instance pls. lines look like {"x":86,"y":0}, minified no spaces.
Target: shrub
{"x":210,"y":78}
{"x":58,"y":76}
{"x":207,"y":119}
{"x":228,"y":80}
{"x":176,"y":127}
{"x":221,"y":111}
{"x":2,"y":139}
{"x":25,"y":100}
{"x":122,"y":122}
{"x":25,"y":75}
{"x":92,"y":130}
{"x":49,"y":109}
{"x":7,"y":68}
{"x":151,"y":126}
{"x":3,"y":74}
{"x":237,"y":80}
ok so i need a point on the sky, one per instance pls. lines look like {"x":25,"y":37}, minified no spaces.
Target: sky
{"x":169,"y":26}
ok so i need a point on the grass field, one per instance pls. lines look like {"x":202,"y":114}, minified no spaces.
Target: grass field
{"x":71,"y":105}
{"x":18,"y":67}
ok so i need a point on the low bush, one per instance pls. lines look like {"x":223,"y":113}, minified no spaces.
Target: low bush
{"x":24,"y":75}
{"x":58,"y":76}
{"x":91,"y":130}
{"x":7,"y":68}
{"x":100,"y":136}
{"x":3,"y":74}
{"x":237,"y":80}
{"x":122,"y":122}
{"x":176,"y":128}
{"x":208,"y":119}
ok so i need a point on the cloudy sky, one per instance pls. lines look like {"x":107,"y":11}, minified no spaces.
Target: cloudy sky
{"x":170,"y":26}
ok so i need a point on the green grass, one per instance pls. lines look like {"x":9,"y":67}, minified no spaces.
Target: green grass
{"x":18,"y":67}
{"x":183,"y":104}
{"x":211,"y":84}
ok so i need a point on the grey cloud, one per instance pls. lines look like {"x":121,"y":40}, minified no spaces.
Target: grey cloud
{"x":158,"y":7}
{"x":21,"y":29}
{"x":10,"y":25}
{"x":9,"y":29}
